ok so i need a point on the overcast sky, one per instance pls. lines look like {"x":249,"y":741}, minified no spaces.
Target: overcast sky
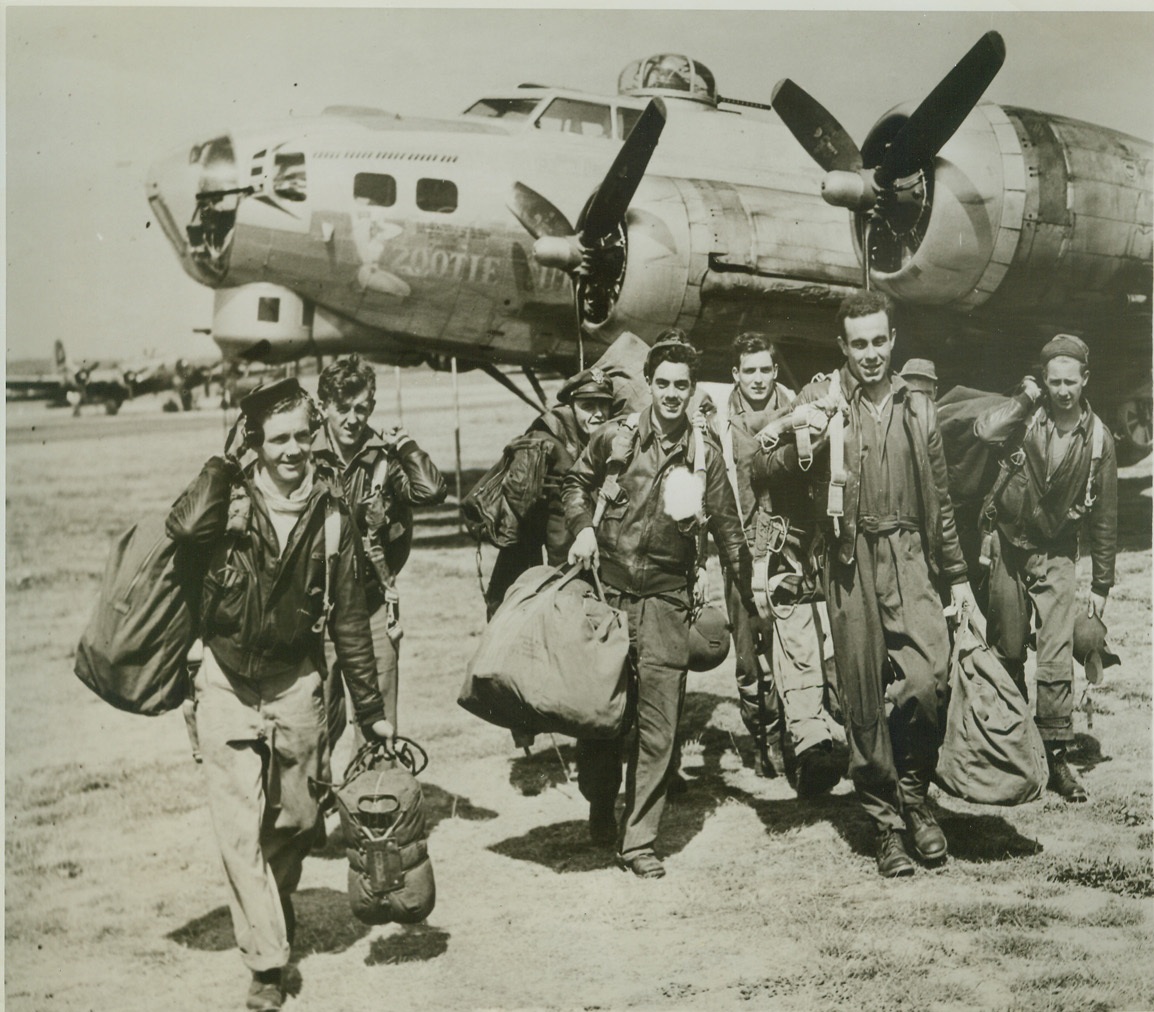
{"x":94,"y":95}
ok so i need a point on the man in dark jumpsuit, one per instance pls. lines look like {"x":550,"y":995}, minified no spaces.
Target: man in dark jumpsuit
{"x":884,"y":487}
{"x":646,"y":546}
{"x":793,"y":693}
{"x":384,"y":476}
{"x":1057,"y":482}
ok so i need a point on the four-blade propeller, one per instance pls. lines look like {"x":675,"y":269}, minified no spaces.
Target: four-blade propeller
{"x":863,"y":181}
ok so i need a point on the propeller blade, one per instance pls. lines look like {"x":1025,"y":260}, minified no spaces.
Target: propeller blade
{"x":815,"y":128}
{"x":611,"y":200}
{"x":942,"y":111}
{"x":535,"y":213}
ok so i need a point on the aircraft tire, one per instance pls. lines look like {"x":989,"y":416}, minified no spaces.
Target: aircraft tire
{"x":111,"y":406}
{"x":1134,"y":429}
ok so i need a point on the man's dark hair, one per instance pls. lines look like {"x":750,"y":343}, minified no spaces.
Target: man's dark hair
{"x":863,"y":303}
{"x":342,"y":380}
{"x":254,"y":422}
{"x":752,"y":342}
{"x":672,"y":345}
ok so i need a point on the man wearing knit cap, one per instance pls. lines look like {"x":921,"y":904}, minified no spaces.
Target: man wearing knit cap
{"x":920,"y":374}
{"x":1059,"y":475}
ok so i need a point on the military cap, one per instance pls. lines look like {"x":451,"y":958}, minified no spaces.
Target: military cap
{"x":920,"y":367}
{"x":1090,"y":648}
{"x":268,"y":394}
{"x":591,"y":382}
{"x":1068,"y":346}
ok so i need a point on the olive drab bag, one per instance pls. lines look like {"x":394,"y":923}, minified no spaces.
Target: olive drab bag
{"x":133,"y":650}
{"x":382,"y":813}
{"x":992,"y":753}
{"x":552,"y":659}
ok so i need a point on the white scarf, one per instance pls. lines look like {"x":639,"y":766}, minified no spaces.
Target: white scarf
{"x":283,"y":511}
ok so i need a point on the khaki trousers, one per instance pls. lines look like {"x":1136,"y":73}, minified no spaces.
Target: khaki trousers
{"x":261,"y":743}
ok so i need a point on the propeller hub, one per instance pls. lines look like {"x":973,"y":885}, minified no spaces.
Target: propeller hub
{"x":560,"y":251}
{"x":852,"y":190}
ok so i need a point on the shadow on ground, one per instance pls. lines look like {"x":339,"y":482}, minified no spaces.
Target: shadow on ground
{"x":565,"y":846}
{"x":416,"y":943}
{"x":1085,"y":752}
{"x":439,"y":805}
{"x":324,"y":924}
{"x":550,"y":767}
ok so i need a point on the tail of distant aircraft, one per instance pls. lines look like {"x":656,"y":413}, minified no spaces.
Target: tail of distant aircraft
{"x":61,"y":357}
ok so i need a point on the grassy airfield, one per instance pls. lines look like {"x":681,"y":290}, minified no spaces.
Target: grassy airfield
{"x":115,"y":900}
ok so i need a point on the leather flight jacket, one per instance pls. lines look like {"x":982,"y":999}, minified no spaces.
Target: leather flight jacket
{"x":385,"y":519}
{"x":1037,"y":511}
{"x":644,"y":551}
{"x":261,"y":612}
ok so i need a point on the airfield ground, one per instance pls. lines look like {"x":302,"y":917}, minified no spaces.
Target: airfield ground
{"x":115,"y":897}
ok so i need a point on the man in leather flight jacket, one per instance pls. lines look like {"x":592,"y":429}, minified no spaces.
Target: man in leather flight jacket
{"x":1053,"y":484}
{"x":647,"y":560}
{"x":384,"y":476}
{"x":272,"y":574}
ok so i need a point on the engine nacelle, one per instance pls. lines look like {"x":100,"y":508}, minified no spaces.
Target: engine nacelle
{"x":1024,"y":212}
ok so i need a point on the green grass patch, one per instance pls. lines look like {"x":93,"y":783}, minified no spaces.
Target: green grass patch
{"x":1118,"y":875}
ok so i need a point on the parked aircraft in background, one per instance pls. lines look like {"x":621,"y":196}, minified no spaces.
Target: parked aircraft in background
{"x":499,"y":236}
{"x":111,"y":384}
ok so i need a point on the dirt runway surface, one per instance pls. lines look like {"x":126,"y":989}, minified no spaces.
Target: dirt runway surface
{"x":115,"y":899}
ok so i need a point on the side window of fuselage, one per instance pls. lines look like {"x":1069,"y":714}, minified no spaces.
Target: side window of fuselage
{"x":437,"y":195}
{"x":374,"y":189}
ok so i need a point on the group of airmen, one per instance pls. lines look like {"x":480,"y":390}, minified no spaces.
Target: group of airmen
{"x":833,"y":502}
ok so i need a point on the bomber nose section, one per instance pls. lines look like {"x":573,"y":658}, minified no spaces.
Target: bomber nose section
{"x":194,"y":195}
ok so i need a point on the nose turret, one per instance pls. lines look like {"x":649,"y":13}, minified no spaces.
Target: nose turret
{"x":194,"y":194}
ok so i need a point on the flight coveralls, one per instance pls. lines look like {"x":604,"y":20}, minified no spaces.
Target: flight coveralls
{"x":1039,"y":511}
{"x":883,"y":558}
{"x":793,"y":636}
{"x":383,"y":518}
{"x":261,"y":716}
{"x":647,"y":560}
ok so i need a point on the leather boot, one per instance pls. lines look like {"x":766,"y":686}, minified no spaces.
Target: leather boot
{"x":892,"y":857}
{"x":1062,"y":780}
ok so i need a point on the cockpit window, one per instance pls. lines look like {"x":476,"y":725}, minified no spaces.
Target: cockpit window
{"x":289,"y":182}
{"x":568,"y":115}
{"x":437,"y":195}
{"x":512,"y":109}
{"x":626,"y":121}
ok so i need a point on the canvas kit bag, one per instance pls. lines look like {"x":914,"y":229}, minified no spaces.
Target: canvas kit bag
{"x":992,"y":753}
{"x":554,"y":658}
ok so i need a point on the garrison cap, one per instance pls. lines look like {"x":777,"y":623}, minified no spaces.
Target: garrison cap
{"x":1090,"y":648}
{"x":591,"y":382}
{"x":920,"y":367}
{"x":1068,"y":346}
{"x":267,"y":394}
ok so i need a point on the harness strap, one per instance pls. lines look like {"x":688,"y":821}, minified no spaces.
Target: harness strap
{"x":332,"y":550}
{"x":835,"y":501}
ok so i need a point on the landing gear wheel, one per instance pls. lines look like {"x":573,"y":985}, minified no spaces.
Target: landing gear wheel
{"x":1135,"y":429}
